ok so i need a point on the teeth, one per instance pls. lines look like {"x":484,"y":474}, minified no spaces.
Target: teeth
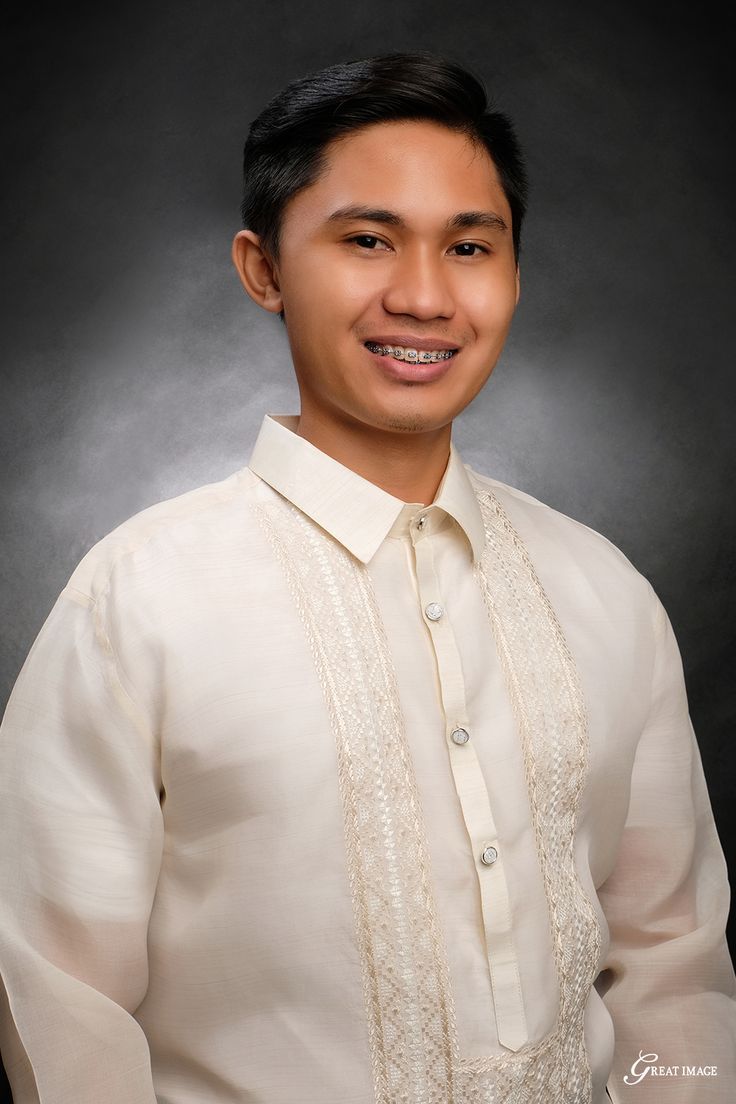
{"x":411,"y":356}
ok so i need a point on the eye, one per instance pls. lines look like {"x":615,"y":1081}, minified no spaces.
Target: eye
{"x":367,"y":241}
{"x":468,"y":249}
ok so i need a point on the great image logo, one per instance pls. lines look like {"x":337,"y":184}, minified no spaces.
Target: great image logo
{"x":647,"y":1065}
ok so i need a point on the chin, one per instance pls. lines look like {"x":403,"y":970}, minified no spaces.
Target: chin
{"x":410,"y":421}
{"x":407,"y":423}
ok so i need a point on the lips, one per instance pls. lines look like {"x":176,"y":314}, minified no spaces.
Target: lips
{"x":397,"y":363}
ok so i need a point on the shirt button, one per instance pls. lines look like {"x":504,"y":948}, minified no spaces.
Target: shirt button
{"x":434,"y":611}
{"x":460,"y":735}
{"x":488,"y":855}
{"x":422,"y":521}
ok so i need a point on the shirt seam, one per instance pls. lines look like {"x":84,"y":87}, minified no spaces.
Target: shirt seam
{"x":133,"y":710}
{"x":116,"y":556}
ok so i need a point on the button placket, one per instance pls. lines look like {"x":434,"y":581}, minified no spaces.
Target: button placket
{"x":475,"y":804}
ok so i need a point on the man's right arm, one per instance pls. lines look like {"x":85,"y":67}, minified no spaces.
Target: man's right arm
{"x":81,"y":838}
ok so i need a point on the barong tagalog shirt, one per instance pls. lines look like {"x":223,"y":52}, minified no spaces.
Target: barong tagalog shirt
{"x":312,"y":796}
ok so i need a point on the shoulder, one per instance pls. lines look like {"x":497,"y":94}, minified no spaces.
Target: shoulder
{"x":570,"y":557}
{"x":154,"y":537}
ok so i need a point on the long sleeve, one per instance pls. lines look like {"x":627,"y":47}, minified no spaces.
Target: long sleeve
{"x":668,"y":983}
{"x":81,"y":832}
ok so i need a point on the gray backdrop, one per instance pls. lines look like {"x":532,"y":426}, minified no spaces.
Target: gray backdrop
{"x":135,"y":368}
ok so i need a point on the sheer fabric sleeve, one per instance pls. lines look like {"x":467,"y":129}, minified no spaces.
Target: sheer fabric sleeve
{"x":668,"y":981}
{"x":80,"y":849}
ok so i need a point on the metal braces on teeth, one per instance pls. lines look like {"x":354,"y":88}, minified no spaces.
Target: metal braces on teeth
{"x":413,"y":356}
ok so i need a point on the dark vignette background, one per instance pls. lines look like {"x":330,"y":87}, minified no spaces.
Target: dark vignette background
{"x":135,"y":368}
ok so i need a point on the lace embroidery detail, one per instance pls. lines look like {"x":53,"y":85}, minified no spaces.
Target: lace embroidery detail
{"x":408,"y":999}
{"x":549,"y":707}
{"x":405,"y":981}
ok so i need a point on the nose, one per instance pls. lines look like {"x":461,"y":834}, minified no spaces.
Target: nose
{"x":419,"y":286}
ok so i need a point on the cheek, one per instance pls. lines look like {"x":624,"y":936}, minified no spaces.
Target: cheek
{"x":320,"y":294}
{"x":351,"y":289}
{"x":490,"y":307}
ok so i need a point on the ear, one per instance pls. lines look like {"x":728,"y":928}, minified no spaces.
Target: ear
{"x":518,"y":285}
{"x":257,"y":271}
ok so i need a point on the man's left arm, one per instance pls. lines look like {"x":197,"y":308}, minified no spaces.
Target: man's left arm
{"x":669,"y":983}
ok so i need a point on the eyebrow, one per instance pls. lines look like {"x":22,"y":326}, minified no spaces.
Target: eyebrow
{"x":464,"y":220}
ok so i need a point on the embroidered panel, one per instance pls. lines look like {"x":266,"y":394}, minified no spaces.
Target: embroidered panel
{"x":548,"y":704}
{"x":405,"y":981}
{"x":408,"y":998}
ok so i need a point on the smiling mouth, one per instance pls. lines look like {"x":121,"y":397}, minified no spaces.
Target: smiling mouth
{"x":411,"y":356}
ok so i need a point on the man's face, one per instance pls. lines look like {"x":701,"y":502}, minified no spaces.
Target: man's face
{"x":404,"y":240}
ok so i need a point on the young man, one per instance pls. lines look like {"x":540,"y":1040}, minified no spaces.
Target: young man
{"x":359,"y":776}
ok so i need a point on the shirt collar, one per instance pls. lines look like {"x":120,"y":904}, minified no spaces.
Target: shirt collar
{"x":353,"y":510}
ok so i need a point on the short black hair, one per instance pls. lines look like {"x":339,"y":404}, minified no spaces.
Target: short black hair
{"x":285,"y":148}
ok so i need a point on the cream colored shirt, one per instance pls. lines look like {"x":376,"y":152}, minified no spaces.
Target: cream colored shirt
{"x":311,"y":796}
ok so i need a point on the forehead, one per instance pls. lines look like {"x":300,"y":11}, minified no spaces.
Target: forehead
{"x":422,"y":170}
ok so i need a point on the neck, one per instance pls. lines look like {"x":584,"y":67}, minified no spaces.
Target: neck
{"x":407,"y":465}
